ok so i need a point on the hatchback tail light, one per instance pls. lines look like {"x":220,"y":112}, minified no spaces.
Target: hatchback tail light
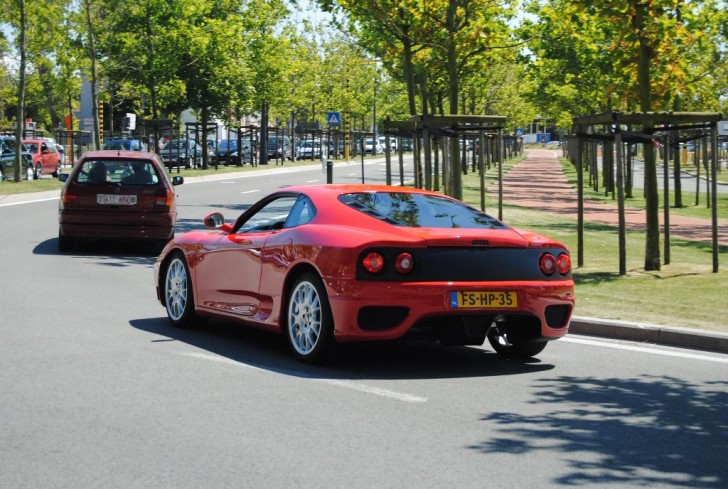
{"x":70,"y":196}
{"x":163,"y":198}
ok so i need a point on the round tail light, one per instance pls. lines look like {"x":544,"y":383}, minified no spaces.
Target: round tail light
{"x":563,"y":264}
{"x":373,"y":262}
{"x":547,"y":264}
{"x":404,"y":263}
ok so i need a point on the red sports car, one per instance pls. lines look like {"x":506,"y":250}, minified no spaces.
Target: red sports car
{"x":328,"y":264}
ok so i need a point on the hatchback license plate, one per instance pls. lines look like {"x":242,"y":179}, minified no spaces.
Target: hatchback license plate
{"x":115,"y":199}
{"x":483,"y":299}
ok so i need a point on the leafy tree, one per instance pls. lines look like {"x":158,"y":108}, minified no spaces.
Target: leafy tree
{"x":634,"y":55}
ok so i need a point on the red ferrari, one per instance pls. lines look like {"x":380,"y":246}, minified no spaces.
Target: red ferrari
{"x":329,"y":264}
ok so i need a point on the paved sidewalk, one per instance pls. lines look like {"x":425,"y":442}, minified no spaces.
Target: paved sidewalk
{"x":539,"y":182}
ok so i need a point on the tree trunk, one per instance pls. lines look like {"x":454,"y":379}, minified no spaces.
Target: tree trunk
{"x":652,"y":211}
{"x":94,"y":76}
{"x":456,"y":176}
{"x":22,"y":47}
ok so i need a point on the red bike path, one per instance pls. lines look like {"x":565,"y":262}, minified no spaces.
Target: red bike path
{"x":539,"y":182}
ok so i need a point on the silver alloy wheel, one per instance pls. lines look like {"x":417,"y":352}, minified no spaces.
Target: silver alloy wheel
{"x":304,"y":318}
{"x":176,"y":289}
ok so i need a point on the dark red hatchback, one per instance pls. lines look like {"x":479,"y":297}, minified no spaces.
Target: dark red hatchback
{"x":119,"y":195}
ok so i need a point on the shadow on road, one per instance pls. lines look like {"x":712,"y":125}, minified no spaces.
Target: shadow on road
{"x":404,"y":359}
{"x":107,"y":252}
{"x":639,"y":432}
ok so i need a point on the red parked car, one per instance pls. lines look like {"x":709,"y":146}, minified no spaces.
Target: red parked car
{"x":46,"y":159}
{"x":328,"y":264}
{"x":120,"y":195}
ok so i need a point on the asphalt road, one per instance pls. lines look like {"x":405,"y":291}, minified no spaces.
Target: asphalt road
{"x":99,"y":391}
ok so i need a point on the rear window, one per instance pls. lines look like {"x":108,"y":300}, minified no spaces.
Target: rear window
{"x":124,"y":172}
{"x":419,"y":210}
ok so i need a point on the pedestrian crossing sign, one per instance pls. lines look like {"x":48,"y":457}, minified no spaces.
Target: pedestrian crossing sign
{"x":334,"y":118}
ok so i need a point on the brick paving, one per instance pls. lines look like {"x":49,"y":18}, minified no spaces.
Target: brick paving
{"x":539,"y":182}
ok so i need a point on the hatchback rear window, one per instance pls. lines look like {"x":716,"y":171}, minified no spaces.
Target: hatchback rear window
{"x":120,"y":171}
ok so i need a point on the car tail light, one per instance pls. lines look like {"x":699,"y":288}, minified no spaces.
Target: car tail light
{"x":373,"y":262}
{"x":547,"y":264}
{"x":70,"y":196}
{"x":563,"y":263}
{"x":163,"y":198}
{"x":404,"y":263}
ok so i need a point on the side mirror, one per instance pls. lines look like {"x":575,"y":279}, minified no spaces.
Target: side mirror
{"x":62,"y":177}
{"x":178,"y":180}
{"x":214,"y":220}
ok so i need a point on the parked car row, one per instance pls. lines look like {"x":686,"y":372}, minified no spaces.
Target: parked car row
{"x":40,"y":157}
{"x":229,"y":153}
{"x":184,"y":153}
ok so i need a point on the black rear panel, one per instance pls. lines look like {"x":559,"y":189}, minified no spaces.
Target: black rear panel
{"x":438,"y":264}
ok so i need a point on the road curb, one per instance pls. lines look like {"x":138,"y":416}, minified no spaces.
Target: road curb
{"x":696,"y":339}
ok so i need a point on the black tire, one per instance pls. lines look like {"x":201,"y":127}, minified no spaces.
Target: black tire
{"x":178,"y":297}
{"x":519,"y":350}
{"x":309,"y":325}
{"x":65,"y":243}
{"x":37,"y":172}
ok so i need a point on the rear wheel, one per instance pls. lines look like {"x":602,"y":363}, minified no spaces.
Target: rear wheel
{"x":178,"y":297}
{"x":524,"y":349}
{"x":65,"y":243}
{"x":310,"y":326}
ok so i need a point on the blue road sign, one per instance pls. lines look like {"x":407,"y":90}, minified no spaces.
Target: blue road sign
{"x":334,"y":118}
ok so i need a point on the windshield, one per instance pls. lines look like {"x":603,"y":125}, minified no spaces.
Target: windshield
{"x":419,"y":210}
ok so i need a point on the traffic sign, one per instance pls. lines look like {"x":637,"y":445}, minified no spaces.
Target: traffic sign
{"x":334,"y":118}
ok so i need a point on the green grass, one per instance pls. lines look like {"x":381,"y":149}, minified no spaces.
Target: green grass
{"x":685,"y":293}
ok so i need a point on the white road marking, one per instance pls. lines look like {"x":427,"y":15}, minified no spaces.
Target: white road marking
{"x":367,"y":389}
{"x":644,"y":349}
{"x":250,"y":191}
{"x":30,"y":201}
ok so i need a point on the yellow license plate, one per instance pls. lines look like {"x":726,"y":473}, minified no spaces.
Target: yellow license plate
{"x":483,"y":299}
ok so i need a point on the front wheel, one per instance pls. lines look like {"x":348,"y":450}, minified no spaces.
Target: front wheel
{"x":518,"y":350}
{"x":178,"y":297}
{"x":310,"y":326}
